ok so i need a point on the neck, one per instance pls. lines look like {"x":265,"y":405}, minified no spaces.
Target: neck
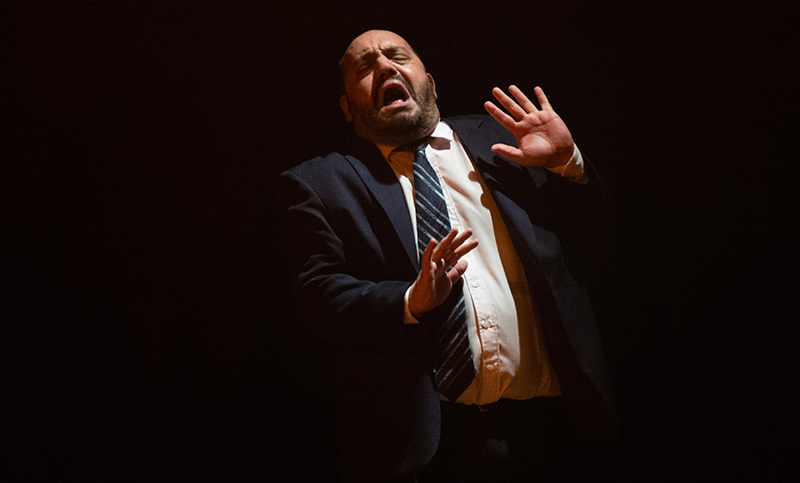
{"x":386,"y":149}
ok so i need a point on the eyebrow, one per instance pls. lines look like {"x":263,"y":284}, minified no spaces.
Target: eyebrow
{"x":393,"y":49}
{"x":388,"y":51}
{"x":358,"y":61}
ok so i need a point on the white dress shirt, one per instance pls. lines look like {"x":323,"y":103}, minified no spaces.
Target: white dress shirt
{"x":509,"y":354}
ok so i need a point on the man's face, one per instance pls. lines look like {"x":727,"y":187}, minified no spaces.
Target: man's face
{"x":389,"y":97}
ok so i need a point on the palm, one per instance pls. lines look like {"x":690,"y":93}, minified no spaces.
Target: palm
{"x":441,"y":267}
{"x":542,"y":137}
{"x":435,"y":273}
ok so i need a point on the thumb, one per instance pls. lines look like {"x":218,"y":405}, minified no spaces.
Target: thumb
{"x":514,"y":154}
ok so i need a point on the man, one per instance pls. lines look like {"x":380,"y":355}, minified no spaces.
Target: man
{"x":518,"y":380}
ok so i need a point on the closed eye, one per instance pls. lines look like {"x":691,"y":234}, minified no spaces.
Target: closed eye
{"x":397,"y":54}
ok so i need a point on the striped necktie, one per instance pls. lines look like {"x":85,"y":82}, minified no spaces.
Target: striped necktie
{"x":453,"y":369}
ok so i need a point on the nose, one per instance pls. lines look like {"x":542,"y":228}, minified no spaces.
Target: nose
{"x":384,"y":68}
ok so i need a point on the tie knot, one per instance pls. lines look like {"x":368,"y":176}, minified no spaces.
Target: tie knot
{"x":415,"y":147}
{"x":420,"y":158}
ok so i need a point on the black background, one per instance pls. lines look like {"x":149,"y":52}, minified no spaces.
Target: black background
{"x":144,"y":303}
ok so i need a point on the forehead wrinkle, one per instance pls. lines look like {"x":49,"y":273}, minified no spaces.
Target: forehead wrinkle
{"x":372,"y":52}
{"x":365,"y":54}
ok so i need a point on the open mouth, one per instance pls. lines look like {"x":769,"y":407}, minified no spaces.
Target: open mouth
{"x":394,"y":95}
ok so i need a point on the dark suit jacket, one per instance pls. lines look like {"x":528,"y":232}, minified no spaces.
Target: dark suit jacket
{"x":351,"y":251}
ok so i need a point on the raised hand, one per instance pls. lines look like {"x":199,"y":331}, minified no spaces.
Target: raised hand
{"x":542,"y":136}
{"x":441,"y":267}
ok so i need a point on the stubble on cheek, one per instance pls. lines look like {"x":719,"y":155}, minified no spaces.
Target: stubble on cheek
{"x":398,"y":126}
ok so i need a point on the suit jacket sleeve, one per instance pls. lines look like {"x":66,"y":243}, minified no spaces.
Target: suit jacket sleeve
{"x":346,"y":285}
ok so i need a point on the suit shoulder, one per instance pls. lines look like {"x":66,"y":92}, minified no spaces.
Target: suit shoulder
{"x":469,"y":120}
{"x":318,"y":165}
{"x":324,"y":172}
{"x":469,"y":117}
{"x":481,"y":125}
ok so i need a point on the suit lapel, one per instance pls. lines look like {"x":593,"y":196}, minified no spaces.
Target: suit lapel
{"x":524,"y":236}
{"x":477,"y":141}
{"x":381,"y":181}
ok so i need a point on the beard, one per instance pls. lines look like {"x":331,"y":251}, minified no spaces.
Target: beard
{"x":402,"y":126}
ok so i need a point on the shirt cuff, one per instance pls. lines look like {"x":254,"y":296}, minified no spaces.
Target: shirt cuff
{"x":408,"y":317}
{"x":573,"y":170}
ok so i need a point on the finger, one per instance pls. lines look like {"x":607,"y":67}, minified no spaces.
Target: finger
{"x":460,"y":242}
{"x":457,"y":271}
{"x":464,"y":249}
{"x":461,"y":250}
{"x":511,"y":106}
{"x":500,"y":116}
{"x":523,"y":100}
{"x":542,"y":98}
{"x":444,"y":247}
{"x":427,"y":254}
{"x":453,"y":245}
{"x":461,"y":238}
{"x":509,"y":152}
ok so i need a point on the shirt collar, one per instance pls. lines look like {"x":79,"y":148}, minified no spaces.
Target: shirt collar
{"x":441,"y":137}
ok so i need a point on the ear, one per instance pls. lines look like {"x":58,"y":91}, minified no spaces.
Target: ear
{"x":433,"y":87}
{"x":345,"y":105}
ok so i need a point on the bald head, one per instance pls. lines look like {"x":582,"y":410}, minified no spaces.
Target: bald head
{"x":388,"y":95}
{"x":365,"y":38}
